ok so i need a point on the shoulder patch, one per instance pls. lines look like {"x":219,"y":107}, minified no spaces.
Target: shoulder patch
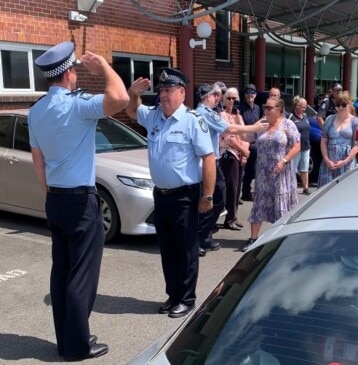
{"x":192,"y":112}
{"x":215,"y":116}
{"x":86,"y":96}
{"x":203,"y":125}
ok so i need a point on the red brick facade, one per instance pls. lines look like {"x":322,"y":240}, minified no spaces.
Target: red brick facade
{"x":117,"y":26}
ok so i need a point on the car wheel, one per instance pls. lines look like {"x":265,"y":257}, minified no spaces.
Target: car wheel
{"x":111,"y":221}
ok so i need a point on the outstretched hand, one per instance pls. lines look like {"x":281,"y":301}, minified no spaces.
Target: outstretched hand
{"x":261,"y":125}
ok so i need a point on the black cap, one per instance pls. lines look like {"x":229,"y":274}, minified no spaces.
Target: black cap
{"x":171,"y":77}
{"x":57,"y":59}
{"x":250,"y":87}
{"x":337,"y":86}
{"x":204,"y":90}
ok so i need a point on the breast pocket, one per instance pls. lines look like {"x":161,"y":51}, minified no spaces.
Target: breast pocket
{"x":177,"y":147}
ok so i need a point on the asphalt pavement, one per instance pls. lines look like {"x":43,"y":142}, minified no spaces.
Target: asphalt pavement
{"x":131,"y":288}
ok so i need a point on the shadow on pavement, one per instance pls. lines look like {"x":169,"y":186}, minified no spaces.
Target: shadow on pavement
{"x":15,"y":347}
{"x":107,"y":304}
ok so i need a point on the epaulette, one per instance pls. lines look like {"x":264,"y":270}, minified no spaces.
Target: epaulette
{"x":37,"y":100}
{"x":76,"y":91}
{"x":153,"y":107}
{"x":193,"y":112}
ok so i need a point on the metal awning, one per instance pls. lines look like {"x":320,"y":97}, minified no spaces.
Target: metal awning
{"x":316,"y":21}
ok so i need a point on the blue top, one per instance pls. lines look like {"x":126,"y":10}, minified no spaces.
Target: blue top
{"x":63,"y":125}
{"x":249,"y":115}
{"x":175,"y":145}
{"x":303,"y":126}
{"x":217,"y":125}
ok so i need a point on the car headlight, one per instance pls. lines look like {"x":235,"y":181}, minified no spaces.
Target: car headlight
{"x":136,"y":182}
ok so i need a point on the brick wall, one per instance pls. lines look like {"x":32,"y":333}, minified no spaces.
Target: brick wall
{"x":117,"y":26}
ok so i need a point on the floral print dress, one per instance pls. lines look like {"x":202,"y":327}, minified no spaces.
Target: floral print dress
{"x":338,"y":147}
{"x":275,"y":194}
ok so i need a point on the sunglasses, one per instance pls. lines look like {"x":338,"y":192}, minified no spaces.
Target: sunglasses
{"x":231,"y":98}
{"x":343,"y":105}
{"x":250,"y":92}
{"x":268,"y":107}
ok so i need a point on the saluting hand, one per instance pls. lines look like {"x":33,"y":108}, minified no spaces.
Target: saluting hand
{"x":139,"y":86}
{"x":95,"y":63}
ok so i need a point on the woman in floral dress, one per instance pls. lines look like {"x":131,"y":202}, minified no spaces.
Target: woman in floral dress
{"x":338,"y":139}
{"x":275,"y":181}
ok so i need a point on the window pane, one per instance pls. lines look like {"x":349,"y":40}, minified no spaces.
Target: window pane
{"x":222,"y":35}
{"x":21,"y":141}
{"x":122,"y":66}
{"x":41,"y":83}
{"x":141,"y":69}
{"x":157,"y":65}
{"x":15,"y":70}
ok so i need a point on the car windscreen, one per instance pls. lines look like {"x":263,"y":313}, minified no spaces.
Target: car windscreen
{"x":112,"y":135}
{"x":289,"y":302}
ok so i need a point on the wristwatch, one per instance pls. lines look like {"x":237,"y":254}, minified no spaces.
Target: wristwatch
{"x":284,"y":161}
{"x":208,"y":198}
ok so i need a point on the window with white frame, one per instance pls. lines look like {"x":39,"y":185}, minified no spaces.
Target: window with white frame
{"x":222,"y":33}
{"x":17,"y":71}
{"x":130,"y":67}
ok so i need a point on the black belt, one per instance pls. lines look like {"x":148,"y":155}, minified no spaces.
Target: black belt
{"x":175,"y":190}
{"x":77,"y":190}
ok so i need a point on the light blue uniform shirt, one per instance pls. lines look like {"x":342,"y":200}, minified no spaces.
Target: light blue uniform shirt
{"x":216,"y":124}
{"x":175,"y":145}
{"x":63,"y":126}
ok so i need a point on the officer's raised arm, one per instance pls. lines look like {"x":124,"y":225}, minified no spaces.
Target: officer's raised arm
{"x":115,"y":93}
{"x":137,"y":89}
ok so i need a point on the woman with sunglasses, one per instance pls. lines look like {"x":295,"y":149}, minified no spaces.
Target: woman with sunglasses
{"x":338,"y":140}
{"x":234,"y":152}
{"x":275,"y":179}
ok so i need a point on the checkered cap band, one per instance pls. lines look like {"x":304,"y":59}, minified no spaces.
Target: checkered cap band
{"x":62,"y":68}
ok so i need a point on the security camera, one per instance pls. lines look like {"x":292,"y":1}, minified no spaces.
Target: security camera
{"x":76,"y":16}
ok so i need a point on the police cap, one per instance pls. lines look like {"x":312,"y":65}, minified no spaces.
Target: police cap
{"x":205,"y":90}
{"x":337,"y":86}
{"x":57,"y":59}
{"x":170,"y":77}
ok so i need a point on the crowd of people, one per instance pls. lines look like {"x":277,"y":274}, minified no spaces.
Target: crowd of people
{"x":201,"y":161}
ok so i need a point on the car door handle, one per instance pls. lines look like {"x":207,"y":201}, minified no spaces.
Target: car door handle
{"x":12,"y":159}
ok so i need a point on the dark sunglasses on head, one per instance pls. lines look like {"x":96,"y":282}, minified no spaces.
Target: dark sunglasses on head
{"x":343,"y":105}
{"x":231,"y":98}
{"x":268,"y":107}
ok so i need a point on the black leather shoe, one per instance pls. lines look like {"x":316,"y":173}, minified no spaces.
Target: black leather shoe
{"x":181,"y":310}
{"x":249,"y":243}
{"x":165,"y":308}
{"x":92,"y":339}
{"x":214,"y":247}
{"x":96,"y":350}
{"x":202,"y":252}
{"x":232,"y":226}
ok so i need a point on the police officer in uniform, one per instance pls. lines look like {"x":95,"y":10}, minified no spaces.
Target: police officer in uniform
{"x":178,"y":140}
{"x":328,"y":106}
{"x":62,"y":127}
{"x":208,"y":96}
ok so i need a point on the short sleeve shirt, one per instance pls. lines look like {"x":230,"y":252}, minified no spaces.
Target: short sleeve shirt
{"x":63,"y":125}
{"x":175,"y":145}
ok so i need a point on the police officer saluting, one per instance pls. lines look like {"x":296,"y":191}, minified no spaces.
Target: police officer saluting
{"x":178,"y":139}
{"x":208,"y":96}
{"x":328,"y":106}
{"x":62,"y":128}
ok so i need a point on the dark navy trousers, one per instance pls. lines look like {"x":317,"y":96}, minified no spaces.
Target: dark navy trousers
{"x":208,"y":220}
{"x":176,"y":222}
{"x":76,"y":225}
